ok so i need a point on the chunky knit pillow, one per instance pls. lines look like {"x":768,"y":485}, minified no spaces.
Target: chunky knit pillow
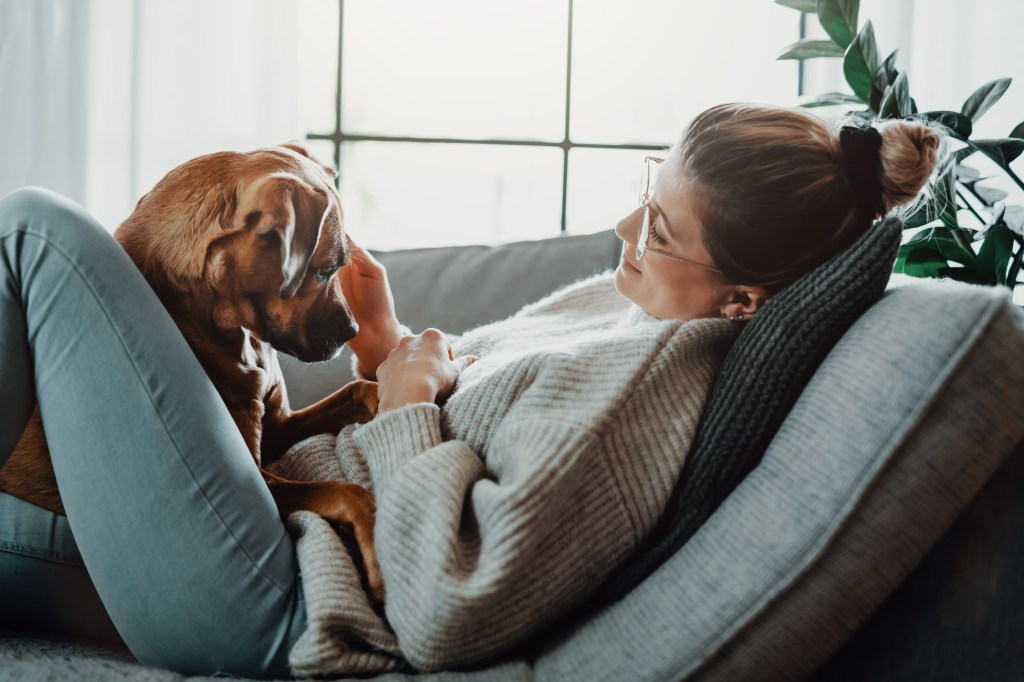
{"x":761,"y":377}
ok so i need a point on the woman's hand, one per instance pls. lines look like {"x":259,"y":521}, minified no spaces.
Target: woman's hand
{"x":364,"y":281}
{"x":422,"y":369}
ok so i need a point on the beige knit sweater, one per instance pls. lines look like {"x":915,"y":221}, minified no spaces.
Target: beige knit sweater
{"x":547,"y":466}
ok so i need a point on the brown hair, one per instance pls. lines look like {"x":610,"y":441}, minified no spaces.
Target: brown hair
{"x":775,"y":198}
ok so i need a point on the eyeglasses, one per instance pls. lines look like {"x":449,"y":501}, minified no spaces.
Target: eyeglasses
{"x":642,"y":246}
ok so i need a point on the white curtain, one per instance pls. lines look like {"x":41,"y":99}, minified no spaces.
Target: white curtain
{"x":99,"y":98}
{"x":43,"y":90}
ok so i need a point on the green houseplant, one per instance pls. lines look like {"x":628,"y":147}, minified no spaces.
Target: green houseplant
{"x":969,"y":231}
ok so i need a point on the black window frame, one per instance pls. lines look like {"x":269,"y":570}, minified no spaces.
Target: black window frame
{"x":339,"y":136}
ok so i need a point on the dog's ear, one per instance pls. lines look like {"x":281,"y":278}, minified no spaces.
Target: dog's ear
{"x":301,"y":148}
{"x":294,"y":211}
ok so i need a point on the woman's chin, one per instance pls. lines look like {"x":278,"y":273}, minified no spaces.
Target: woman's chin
{"x":623,"y":281}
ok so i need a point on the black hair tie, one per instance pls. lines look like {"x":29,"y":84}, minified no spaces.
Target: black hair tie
{"x":862,"y":165}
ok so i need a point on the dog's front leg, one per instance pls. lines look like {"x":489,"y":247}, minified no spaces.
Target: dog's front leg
{"x":248,"y":419}
{"x":355,"y":402}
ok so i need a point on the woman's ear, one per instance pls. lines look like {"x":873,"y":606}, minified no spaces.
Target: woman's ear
{"x":743,"y":301}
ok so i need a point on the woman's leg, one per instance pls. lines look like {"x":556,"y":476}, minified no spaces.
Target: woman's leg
{"x":173,"y":521}
{"x":44,"y":586}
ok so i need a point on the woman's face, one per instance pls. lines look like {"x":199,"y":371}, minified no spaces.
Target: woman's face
{"x":667,"y":288}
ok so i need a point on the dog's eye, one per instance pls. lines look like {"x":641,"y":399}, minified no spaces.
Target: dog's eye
{"x":327,"y":271}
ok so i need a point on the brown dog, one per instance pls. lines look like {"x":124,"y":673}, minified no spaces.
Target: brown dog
{"x":242,"y":249}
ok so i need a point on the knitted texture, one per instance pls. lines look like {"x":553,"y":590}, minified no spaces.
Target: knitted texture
{"x":546,"y":467}
{"x":761,"y":378}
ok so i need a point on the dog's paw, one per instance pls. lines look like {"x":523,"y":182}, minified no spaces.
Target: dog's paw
{"x":364,"y":399}
{"x":374,"y":579}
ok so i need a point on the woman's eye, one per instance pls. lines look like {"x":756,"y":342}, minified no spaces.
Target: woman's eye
{"x":657,"y":238}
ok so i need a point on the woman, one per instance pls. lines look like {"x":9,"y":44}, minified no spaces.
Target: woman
{"x":497,"y":512}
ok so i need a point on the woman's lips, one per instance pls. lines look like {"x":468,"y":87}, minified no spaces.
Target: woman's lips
{"x":627,"y":266}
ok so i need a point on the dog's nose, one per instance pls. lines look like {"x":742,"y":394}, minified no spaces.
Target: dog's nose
{"x":351,"y":331}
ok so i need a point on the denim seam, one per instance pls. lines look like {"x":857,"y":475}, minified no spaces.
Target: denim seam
{"x":45,"y":554}
{"x":152,"y":400}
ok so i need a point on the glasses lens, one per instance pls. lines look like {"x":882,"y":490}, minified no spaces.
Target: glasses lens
{"x":645,"y":181}
{"x":641,"y":240}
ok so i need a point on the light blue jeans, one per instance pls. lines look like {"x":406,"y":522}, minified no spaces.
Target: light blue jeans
{"x":171,"y":536}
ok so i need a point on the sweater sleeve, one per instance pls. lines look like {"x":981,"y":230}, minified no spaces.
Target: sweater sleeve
{"x":474,"y":560}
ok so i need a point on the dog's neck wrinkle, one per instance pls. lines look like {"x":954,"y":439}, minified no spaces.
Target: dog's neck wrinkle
{"x":235,"y":360}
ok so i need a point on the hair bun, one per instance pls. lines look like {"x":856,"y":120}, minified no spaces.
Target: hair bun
{"x":910,"y":152}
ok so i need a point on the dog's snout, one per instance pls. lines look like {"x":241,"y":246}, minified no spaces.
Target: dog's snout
{"x":342,"y":330}
{"x":350,"y":331}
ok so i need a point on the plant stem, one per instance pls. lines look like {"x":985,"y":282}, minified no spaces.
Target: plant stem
{"x":1014,"y":273}
{"x":968,"y":204}
{"x":999,"y":162}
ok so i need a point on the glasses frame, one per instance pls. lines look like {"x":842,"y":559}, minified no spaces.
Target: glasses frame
{"x":642,"y":246}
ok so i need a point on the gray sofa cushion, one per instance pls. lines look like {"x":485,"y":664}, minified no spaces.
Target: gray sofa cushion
{"x":912,"y":411}
{"x":960,"y":614}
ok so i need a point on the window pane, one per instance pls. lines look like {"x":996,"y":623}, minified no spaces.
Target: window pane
{"x":317,"y":45}
{"x":455,"y":68}
{"x":643,"y":69}
{"x":323,"y":150}
{"x":604,"y":186}
{"x":399,"y":195}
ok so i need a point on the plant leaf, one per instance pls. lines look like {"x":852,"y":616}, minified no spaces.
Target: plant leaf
{"x":1018,"y":132}
{"x":961,"y":154}
{"x":860,"y":64}
{"x":962,"y":275}
{"x":829,"y":99}
{"x":967,"y":175}
{"x":806,"y":6}
{"x":919,"y":218}
{"x":1014,"y":219}
{"x":989,"y":195}
{"x":994,"y":255}
{"x":862,"y":117}
{"x":839,"y":19}
{"x":810,"y":49}
{"x":1001,"y":151}
{"x":984,"y":97}
{"x":1014,"y":273}
{"x":948,"y":241}
{"x":896,"y":99}
{"x":942,"y":204}
{"x":957,"y":123}
{"x":920,"y":260}
{"x":885,"y":75}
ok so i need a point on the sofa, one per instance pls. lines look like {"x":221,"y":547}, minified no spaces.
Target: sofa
{"x":877,"y":539}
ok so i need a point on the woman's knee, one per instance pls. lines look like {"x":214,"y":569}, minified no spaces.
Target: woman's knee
{"x":44,"y":213}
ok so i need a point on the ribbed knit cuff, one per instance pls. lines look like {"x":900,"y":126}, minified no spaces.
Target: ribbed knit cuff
{"x":395,"y":437}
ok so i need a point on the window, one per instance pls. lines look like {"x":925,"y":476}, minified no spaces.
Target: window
{"x":460,"y":121}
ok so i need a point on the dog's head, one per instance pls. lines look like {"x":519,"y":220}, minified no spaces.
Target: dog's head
{"x":258,"y":234}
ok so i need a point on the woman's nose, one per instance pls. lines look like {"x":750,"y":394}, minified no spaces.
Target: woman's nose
{"x":628,"y":228}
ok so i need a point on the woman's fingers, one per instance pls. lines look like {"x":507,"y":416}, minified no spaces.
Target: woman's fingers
{"x":363,"y":260}
{"x":421,"y":368}
{"x":463,"y":361}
